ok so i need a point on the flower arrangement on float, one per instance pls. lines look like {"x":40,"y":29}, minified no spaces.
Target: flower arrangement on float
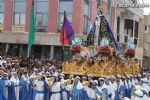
{"x":75,"y":48}
{"x":130,"y":51}
{"x":76,"y":45}
{"x":104,"y":49}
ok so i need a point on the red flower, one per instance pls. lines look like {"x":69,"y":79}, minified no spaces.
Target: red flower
{"x":104,"y":49}
{"x":75,"y":48}
{"x":130,"y":51}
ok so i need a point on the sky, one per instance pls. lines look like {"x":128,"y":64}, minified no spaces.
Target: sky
{"x":146,"y":10}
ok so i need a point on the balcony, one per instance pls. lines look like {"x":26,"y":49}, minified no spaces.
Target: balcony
{"x":18,"y":28}
{"x":135,"y":11}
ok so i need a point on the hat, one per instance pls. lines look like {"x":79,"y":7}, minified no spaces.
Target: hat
{"x":128,"y":76}
{"x":5,"y":74}
{"x":86,"y":83}
{"x":123,"y":77}
{"x":144,"y":80}
{"x":61,"y":75}
{"x":90,"y":75}
{"x":107,"y":77}
{"x":77,"y":78}
{"x":126,"y":98}
{"x":145,"y":91}
{"x":101,"y":79}
{"x":71,"y":76}
{"x":95,"y":81}
{"x":138,"y":87}
{"x":118,"y":76}
{"x":131,"y":75}
{"x":139,"y":75}
{"x":42,"y":72}
{"x":138,"y":93}
{"x":13,"y":72}
{"x":84,"y":77}
{"x":55,"y":75}
{"x":35,"y":69}
{"x":47,"y":72}
{"x":144,"y":74}
{"x":112,"y":77}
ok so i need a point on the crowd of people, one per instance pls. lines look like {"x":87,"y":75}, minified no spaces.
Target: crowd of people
{"x":42,"y":79}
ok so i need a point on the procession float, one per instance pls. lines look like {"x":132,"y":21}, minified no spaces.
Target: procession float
{"x":102,"y":56}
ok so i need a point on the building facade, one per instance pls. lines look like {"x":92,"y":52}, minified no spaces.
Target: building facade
{"x":129,"y":26}
{"x":146,"y":60}
{"x":15,"y":19}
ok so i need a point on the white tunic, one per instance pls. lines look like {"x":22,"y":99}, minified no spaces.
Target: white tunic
{"x":40,"y":88}
{"x":91,"y":93}
{"x":64,"y":94}
{"x":111,"y":91}
{"x":55,"y":89}
{"x":7,"y":83}
{"x":16,"y":83}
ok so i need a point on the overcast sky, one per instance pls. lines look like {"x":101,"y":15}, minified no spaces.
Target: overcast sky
{"x":146,"y":10}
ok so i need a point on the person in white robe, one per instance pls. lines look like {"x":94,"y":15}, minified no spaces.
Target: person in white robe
{"x":97,"y":90}
{"x":145,"y":94}
{"x":91,"y":92}
{"x":145,"y":83}
{"x":134,"y":81}
{"x":55,"y":89}
{"x":111,"y":92}
{"x":7,"y":83}
{"x":64,"y":91}
{"x":138,"y":95}
{"x":39,"y":87}
{"x":35,"y":73}
{"x":15,"y":80}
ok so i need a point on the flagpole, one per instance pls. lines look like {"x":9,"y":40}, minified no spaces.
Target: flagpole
{"x":28,"y":52}
{"x":63,"y":39}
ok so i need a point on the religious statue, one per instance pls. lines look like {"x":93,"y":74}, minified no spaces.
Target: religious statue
{"x":99,"y":29}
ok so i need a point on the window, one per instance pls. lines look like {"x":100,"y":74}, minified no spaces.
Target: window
{"x":41,"y":15}
{"x":118,"y":38}
{"x":118,"y":24}
{"x":19,"y":9}
{"x":145,"y":28}
{"x":135,"y":41}
{"x":1,"y":11}
{"x":136,"y":29}
{"x":125,"y":39}
{"x":86,"y":15}
{"x":67,"y":6}
{"x":129,"y":27}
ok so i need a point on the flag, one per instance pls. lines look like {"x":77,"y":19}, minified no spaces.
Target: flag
{"x":31,"y":37}
{"x":89,"y":27}
{"x":67,"y":33}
